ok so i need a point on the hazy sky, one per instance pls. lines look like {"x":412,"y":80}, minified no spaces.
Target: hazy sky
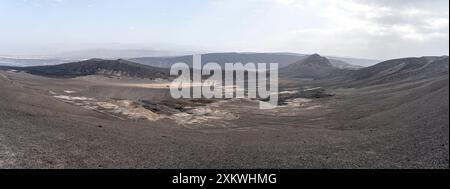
{"x":361,"y":28}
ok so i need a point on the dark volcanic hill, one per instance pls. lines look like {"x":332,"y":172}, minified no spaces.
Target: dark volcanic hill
{"x":109,"y":68}
{"x":221,"y":58}
{"x":404,"y":69}
{"x":283,"y":59}
{"x":311,"y":67}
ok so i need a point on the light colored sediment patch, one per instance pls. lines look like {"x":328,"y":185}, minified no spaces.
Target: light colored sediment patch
{"x":126,"y":81}
{"x":288,"y":92}
{"x":293,"y":107}
{"x":296,"y":102}
{"x":69,"y":92}
{"x":3,"y":76}
{"x":313,"y":107}
{"x":73,"y":98}
{"x":204,"y":114}
{"x":157,"y":85}
{"x":126,"y":109}
{"x":145,"y":85}
{"x":123,"y":109}
{"x":311,"y":89}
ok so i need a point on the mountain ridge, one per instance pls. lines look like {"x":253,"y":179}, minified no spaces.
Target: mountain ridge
{"x":283,"y":59}
{"x":311,"y":67}
{"x":411,"y":68}
{"x":109,"y":68}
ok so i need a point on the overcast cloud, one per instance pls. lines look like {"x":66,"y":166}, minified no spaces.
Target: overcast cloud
{"x":383,"y":28}
{"x":378,"y":29}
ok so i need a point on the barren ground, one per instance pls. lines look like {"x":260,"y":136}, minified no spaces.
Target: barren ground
{"x":80,"y":123}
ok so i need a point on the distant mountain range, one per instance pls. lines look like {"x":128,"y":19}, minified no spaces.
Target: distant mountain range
{"x":314,"y":67}
{"x":165,"y":59}
{"x":284,"y":59}
{"x":72,"y":56}
{"x":32,"y":61}
{"x":119,"y":53}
